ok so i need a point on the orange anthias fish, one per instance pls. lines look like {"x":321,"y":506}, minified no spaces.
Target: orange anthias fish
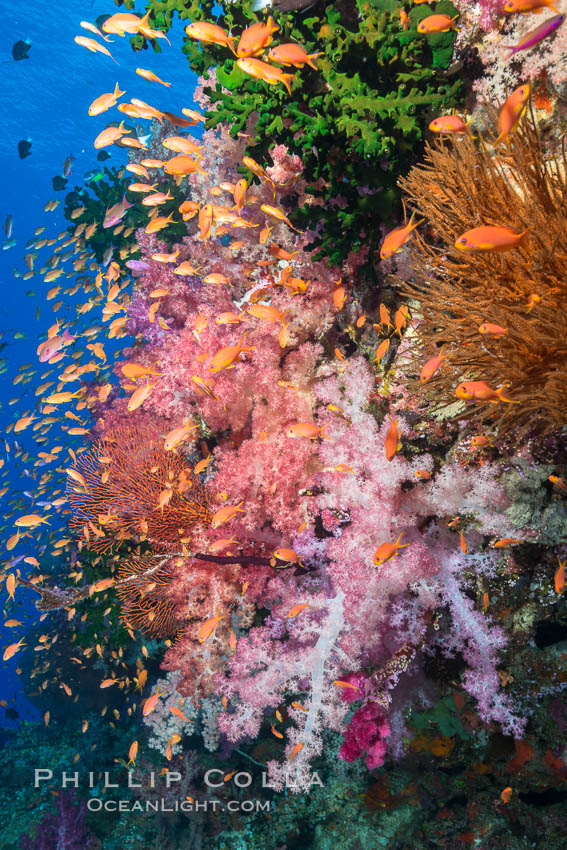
{"x":105,"y":101}
{"x":209,"y":627}
{"x":387,"y":551}
{"x":11,"y":650}
{"x":506,"y":794}
{"x":210,"y":34}
{"x":431,"y":367}
{"x":139,"y":396}
{"x":268,"y":73}
{"x":287,"y":555}
{"x":559,"y":578}
{"x":262,"y":174}
{"x":227,"y":357}
{"x":511,"y":113}
{"x":392,"y":443}
{"x":182,"y":164}
{"x":481,"y":391}
{"x":436,"y":23}
{"x":525,"y":6}
{"x":151,"y":703}
{"x":110,"y":135}
{"x":492,"y":330}
{"x":134,"y":370}
{"x":150,"y":76}
{"x":93,"y":46}
{"x":447,"y":125}
{"x":296,"y":750}
{"x":397,"y":238}
{"x":297,"y":609}
{"x":30,"y":521}
{"x":293,"y":54}
{"x":256,"y":38}
{"x":178,"y":436}
{"x":277,"y":213}
{"x":225,"y":514}
{"x":132,"y":753}
{"x":489,"y":238}
{"x":307,"y":429}
{"x":558,"y":482}
{"x":506,"y":541}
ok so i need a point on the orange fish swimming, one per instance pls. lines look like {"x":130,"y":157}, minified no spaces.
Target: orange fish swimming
{"x":511,"y":113}
{"x":150,"y":76}
{"x":392,"y":443}
{"x":210,"y":34}
{"x":293,"y":54}
{"x":431,"y":367}
{"x":489,"y":238}
{"x":448,"y":125}
{"x":93,"y":46}
{"x":481,"y":391}
{"x":256,"y":38}
{"x":228,"y":356}
{"x":490,"y":329}
{"x":151,"y":703}
{"x":395,"y":240}
{"x":387,"y":551}
{"x":209,"y":627}
{"x":297,"y":609}
{"x":139,"y":396}
{"x":268,"y":73}
{"x":307,"y":429}
{"x":436,"y":23}
{"x":559,"y":578}
{"x":11,"y":650}
{"x":525,"y":6}
{"x":105,"y":101}
{"x":225,"y":514}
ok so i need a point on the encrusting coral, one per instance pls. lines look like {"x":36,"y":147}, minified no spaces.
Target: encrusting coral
{"x":521,"y":294}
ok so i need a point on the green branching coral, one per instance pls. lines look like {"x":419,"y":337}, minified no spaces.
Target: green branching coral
{"x":356,"y":122}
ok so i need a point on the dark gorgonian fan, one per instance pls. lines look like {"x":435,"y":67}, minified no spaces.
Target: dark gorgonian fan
{"x":464,"y":184}
{"x":130,"y":489}
{"x":143,"y":589}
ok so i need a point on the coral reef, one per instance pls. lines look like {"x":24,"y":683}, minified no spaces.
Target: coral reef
{"x":354,"y":128}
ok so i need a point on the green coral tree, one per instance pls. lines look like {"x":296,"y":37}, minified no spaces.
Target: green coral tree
{"x":357,"y":122}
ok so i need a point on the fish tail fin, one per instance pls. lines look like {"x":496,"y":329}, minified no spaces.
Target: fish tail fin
{"x":500,"y":393}
{"x":413,"y":224}
{"x":311,"y":60}
{"x":287,"y":80}
{"x":321,"y":429}
{"x":230,"y":40}
{"x":452,"y":23}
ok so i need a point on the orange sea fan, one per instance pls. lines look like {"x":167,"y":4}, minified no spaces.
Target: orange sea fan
{"x":127,"y":473}
{"x":464,"y":184}
{"x":142,"y":587}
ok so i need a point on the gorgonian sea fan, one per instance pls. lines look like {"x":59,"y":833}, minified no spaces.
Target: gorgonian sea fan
{"x":125,"y":473}
{"x":143,"y":587}
{"x":462,"y":185}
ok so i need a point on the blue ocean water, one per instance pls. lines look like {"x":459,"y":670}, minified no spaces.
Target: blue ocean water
{"x":45,"y":98}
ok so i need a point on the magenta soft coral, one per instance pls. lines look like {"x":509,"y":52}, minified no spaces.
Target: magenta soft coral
{"x":367,"y":729}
